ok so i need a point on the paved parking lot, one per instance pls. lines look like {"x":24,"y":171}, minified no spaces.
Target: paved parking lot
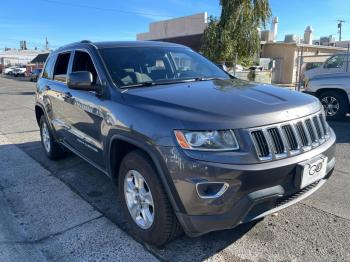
{"x":67,"y":210}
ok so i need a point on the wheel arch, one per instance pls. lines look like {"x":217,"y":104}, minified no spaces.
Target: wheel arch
{"x":130,"y":143}
{"x":331,"y":89}
{"x":39,"y":112}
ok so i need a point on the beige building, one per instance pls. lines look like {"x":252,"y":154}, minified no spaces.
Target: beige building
{"x":187,"y":30}
{"x":287,"y":55}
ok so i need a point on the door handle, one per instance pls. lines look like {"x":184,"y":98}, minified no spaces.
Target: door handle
{"x":46,"y":88}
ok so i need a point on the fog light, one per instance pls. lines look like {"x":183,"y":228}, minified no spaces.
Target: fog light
{"x":211,"y":189}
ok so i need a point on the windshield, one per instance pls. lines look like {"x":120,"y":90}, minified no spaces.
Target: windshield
{"x":158,"y":65}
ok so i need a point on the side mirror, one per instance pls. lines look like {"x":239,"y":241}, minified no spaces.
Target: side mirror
{"x":82,"y":80}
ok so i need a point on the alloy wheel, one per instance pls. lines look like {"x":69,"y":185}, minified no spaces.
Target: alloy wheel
{"x":331,"y":105}
{"x":46,"y":137}
{"x":139,"y":199}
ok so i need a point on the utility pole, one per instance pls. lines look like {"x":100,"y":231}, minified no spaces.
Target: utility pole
{"x":340,"y":25}
{"x":46,"y":44}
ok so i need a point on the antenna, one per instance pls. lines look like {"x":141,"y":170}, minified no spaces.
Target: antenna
{"x":340,"y":25}
{"x":46,"y":44}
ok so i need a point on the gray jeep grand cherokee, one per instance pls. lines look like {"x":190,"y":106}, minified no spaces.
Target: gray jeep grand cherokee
{"x":190,"y":147}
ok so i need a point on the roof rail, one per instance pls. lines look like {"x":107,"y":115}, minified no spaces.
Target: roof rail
{"x":85,"y":41}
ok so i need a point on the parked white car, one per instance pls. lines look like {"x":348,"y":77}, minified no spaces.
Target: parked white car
{"x":20,"y":71}
{"x":339,"y":63}
{"x":9,"y":70}
{"x":333,"y":90}
{"x":331,"y":84}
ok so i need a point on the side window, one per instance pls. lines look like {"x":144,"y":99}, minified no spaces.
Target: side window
{"x":61,"y":67}
{"x":335,"y":61}
{"x":47,"y":73}
{"x":82,"y":62}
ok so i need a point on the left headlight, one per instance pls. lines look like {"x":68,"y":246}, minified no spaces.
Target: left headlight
{"x":218,"y":140}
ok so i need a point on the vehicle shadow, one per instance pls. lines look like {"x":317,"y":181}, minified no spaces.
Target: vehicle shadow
{"x":23,"y":93}
{"x":16,"y":78}
{"x":98,"y":190}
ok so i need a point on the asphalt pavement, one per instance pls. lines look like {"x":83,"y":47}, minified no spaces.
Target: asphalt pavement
{"x":67,"y":210}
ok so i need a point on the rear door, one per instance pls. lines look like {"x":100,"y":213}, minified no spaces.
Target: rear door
{"x":58,"y":94}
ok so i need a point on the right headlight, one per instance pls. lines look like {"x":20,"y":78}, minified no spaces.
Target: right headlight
{"x":217,"y":140}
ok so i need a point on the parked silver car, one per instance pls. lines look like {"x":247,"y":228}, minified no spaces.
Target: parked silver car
{"x":333,"y":90}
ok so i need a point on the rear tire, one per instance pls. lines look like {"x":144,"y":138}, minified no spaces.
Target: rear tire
{"x":164,"y":226}
{"x":51,"y":147}
{"x":336,"y":105}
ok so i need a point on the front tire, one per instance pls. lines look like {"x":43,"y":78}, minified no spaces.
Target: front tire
{"x":51,"y":147}
{"x":335,"y":104}
{"x":145,"y":205}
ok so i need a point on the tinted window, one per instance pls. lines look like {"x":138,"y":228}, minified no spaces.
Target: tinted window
{"x":61,"y":67}
{"x":133,"y":65}
{"x":82,"y":62}
{"x":47,"y":73}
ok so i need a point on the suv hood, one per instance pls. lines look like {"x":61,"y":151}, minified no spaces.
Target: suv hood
{"x":223,"y":103}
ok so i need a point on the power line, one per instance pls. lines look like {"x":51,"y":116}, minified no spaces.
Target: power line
{"x":104,"y":9}
{"x":110,"y":9}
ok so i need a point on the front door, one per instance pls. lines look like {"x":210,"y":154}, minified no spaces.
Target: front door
{"x":83,"y":113}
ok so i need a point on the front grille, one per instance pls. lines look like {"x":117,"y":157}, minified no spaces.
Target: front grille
{"x":289,"y":138}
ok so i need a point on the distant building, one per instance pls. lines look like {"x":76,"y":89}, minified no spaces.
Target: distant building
{"x":344,"y":44}
{"x":325,"y":41}
{"x":18,"y":56}
{"x":186,"y":30}
{"x":38,"y":62}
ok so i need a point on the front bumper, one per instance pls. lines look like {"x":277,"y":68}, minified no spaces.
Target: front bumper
{"x":254,"y":190}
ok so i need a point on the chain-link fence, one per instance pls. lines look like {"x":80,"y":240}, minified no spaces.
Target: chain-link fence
{"x":311,"y":65}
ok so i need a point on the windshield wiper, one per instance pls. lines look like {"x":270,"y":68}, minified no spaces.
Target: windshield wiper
{"x":175,"y":81}
{"x":148,"y":83}
{"x":208,"y":78}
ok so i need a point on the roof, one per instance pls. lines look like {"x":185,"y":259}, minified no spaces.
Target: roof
{"x":132,"y":44}
{"x":112,"y":44}
{"x":306,"y":45}
{"x":40,"y":59}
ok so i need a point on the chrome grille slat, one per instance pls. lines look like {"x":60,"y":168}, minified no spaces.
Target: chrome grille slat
{"x":317,"y":125}
{"x":310,"y":130}
{"x":302,"y":133}
{"x":324,"y":124}
{"x":260,"y":143}
{"x":289,"y":138}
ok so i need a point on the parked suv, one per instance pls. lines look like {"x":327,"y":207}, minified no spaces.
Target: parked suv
{"x":190,"y":147}
{"x":333,"y":90}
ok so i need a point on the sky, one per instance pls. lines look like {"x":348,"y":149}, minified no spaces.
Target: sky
{"x":66,"y":21}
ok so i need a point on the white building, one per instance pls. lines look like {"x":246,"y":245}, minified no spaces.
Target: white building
{"x":18,"y":56}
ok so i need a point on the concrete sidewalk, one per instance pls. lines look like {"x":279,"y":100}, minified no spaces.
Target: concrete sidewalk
{"x":42,"y":219}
